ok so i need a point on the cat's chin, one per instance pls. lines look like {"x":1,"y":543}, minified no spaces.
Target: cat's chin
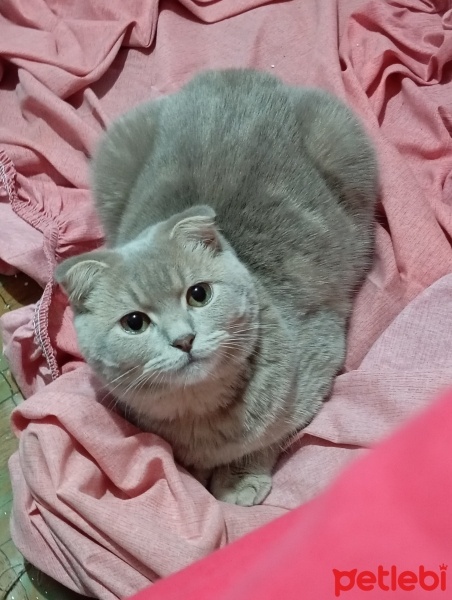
{"x":199,"y":369}
{"x":194,"y":370}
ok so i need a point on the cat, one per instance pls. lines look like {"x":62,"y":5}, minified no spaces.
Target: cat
{"x":238,"y":215}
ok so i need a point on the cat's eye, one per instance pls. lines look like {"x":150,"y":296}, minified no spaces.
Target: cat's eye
{"x":135,"y":322}
{"x":199,"y":295}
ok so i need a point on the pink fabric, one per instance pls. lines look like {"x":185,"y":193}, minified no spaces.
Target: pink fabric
{"x":378,"y":515}
{"x":99,"y":505}
{"x":103,"y":508}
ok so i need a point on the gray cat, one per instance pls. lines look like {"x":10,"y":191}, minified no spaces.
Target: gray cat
{"x":238,"y":216}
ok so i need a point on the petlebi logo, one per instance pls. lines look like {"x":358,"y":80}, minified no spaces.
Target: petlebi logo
{"x":391,"y":579}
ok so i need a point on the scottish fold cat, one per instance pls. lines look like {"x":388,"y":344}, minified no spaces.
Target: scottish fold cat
{"x":238,"y":215}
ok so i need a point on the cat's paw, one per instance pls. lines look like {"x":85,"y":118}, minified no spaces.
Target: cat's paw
{"x":245,"y":489}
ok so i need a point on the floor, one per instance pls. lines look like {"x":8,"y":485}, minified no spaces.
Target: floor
{"x":18,"y":579}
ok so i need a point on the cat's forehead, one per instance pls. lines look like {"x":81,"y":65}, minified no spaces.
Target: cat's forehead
{"x":155,"y":272}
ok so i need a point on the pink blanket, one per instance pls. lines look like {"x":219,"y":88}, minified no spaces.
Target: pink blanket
{"x":99,"y":505}
{"x":380,"y":528}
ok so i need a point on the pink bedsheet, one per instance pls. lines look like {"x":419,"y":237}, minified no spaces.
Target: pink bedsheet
{"x":380,"y":528}
{"x":98,"y":505}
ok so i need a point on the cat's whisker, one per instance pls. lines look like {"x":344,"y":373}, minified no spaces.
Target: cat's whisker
{"x":137,"y":385}
{"x":128,"y":387}
{"x":124,"y":374}
{"x":248,"y":325}
{"x":230,"y":353}
{"x":110,"y":390}
{"x":230,"y":357}
{"x":150,"y":380}
{"x":253,"y":327}
{"x":242,"y":342}
{"x":244,"y":339}
{"x":240,"y":348}
{"x":274,"y":300}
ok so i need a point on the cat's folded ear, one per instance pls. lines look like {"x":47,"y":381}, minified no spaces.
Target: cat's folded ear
{"x":77,"y":275}
{"x":196,"y":225}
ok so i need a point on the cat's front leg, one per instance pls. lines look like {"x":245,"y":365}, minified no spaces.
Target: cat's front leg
{"x":246,"y":481}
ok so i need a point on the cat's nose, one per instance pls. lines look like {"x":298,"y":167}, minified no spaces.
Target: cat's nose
{"x":185,"y":342}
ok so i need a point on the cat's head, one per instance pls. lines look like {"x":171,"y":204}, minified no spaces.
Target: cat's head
{"x":174,"y":307}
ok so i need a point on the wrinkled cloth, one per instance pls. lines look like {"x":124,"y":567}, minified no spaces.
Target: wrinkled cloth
{"x":99,"y":505}
{"x":102,"y":506}
{"x":382,"y":527}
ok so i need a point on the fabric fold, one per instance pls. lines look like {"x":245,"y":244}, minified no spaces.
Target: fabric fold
{"x":97,"y":504}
